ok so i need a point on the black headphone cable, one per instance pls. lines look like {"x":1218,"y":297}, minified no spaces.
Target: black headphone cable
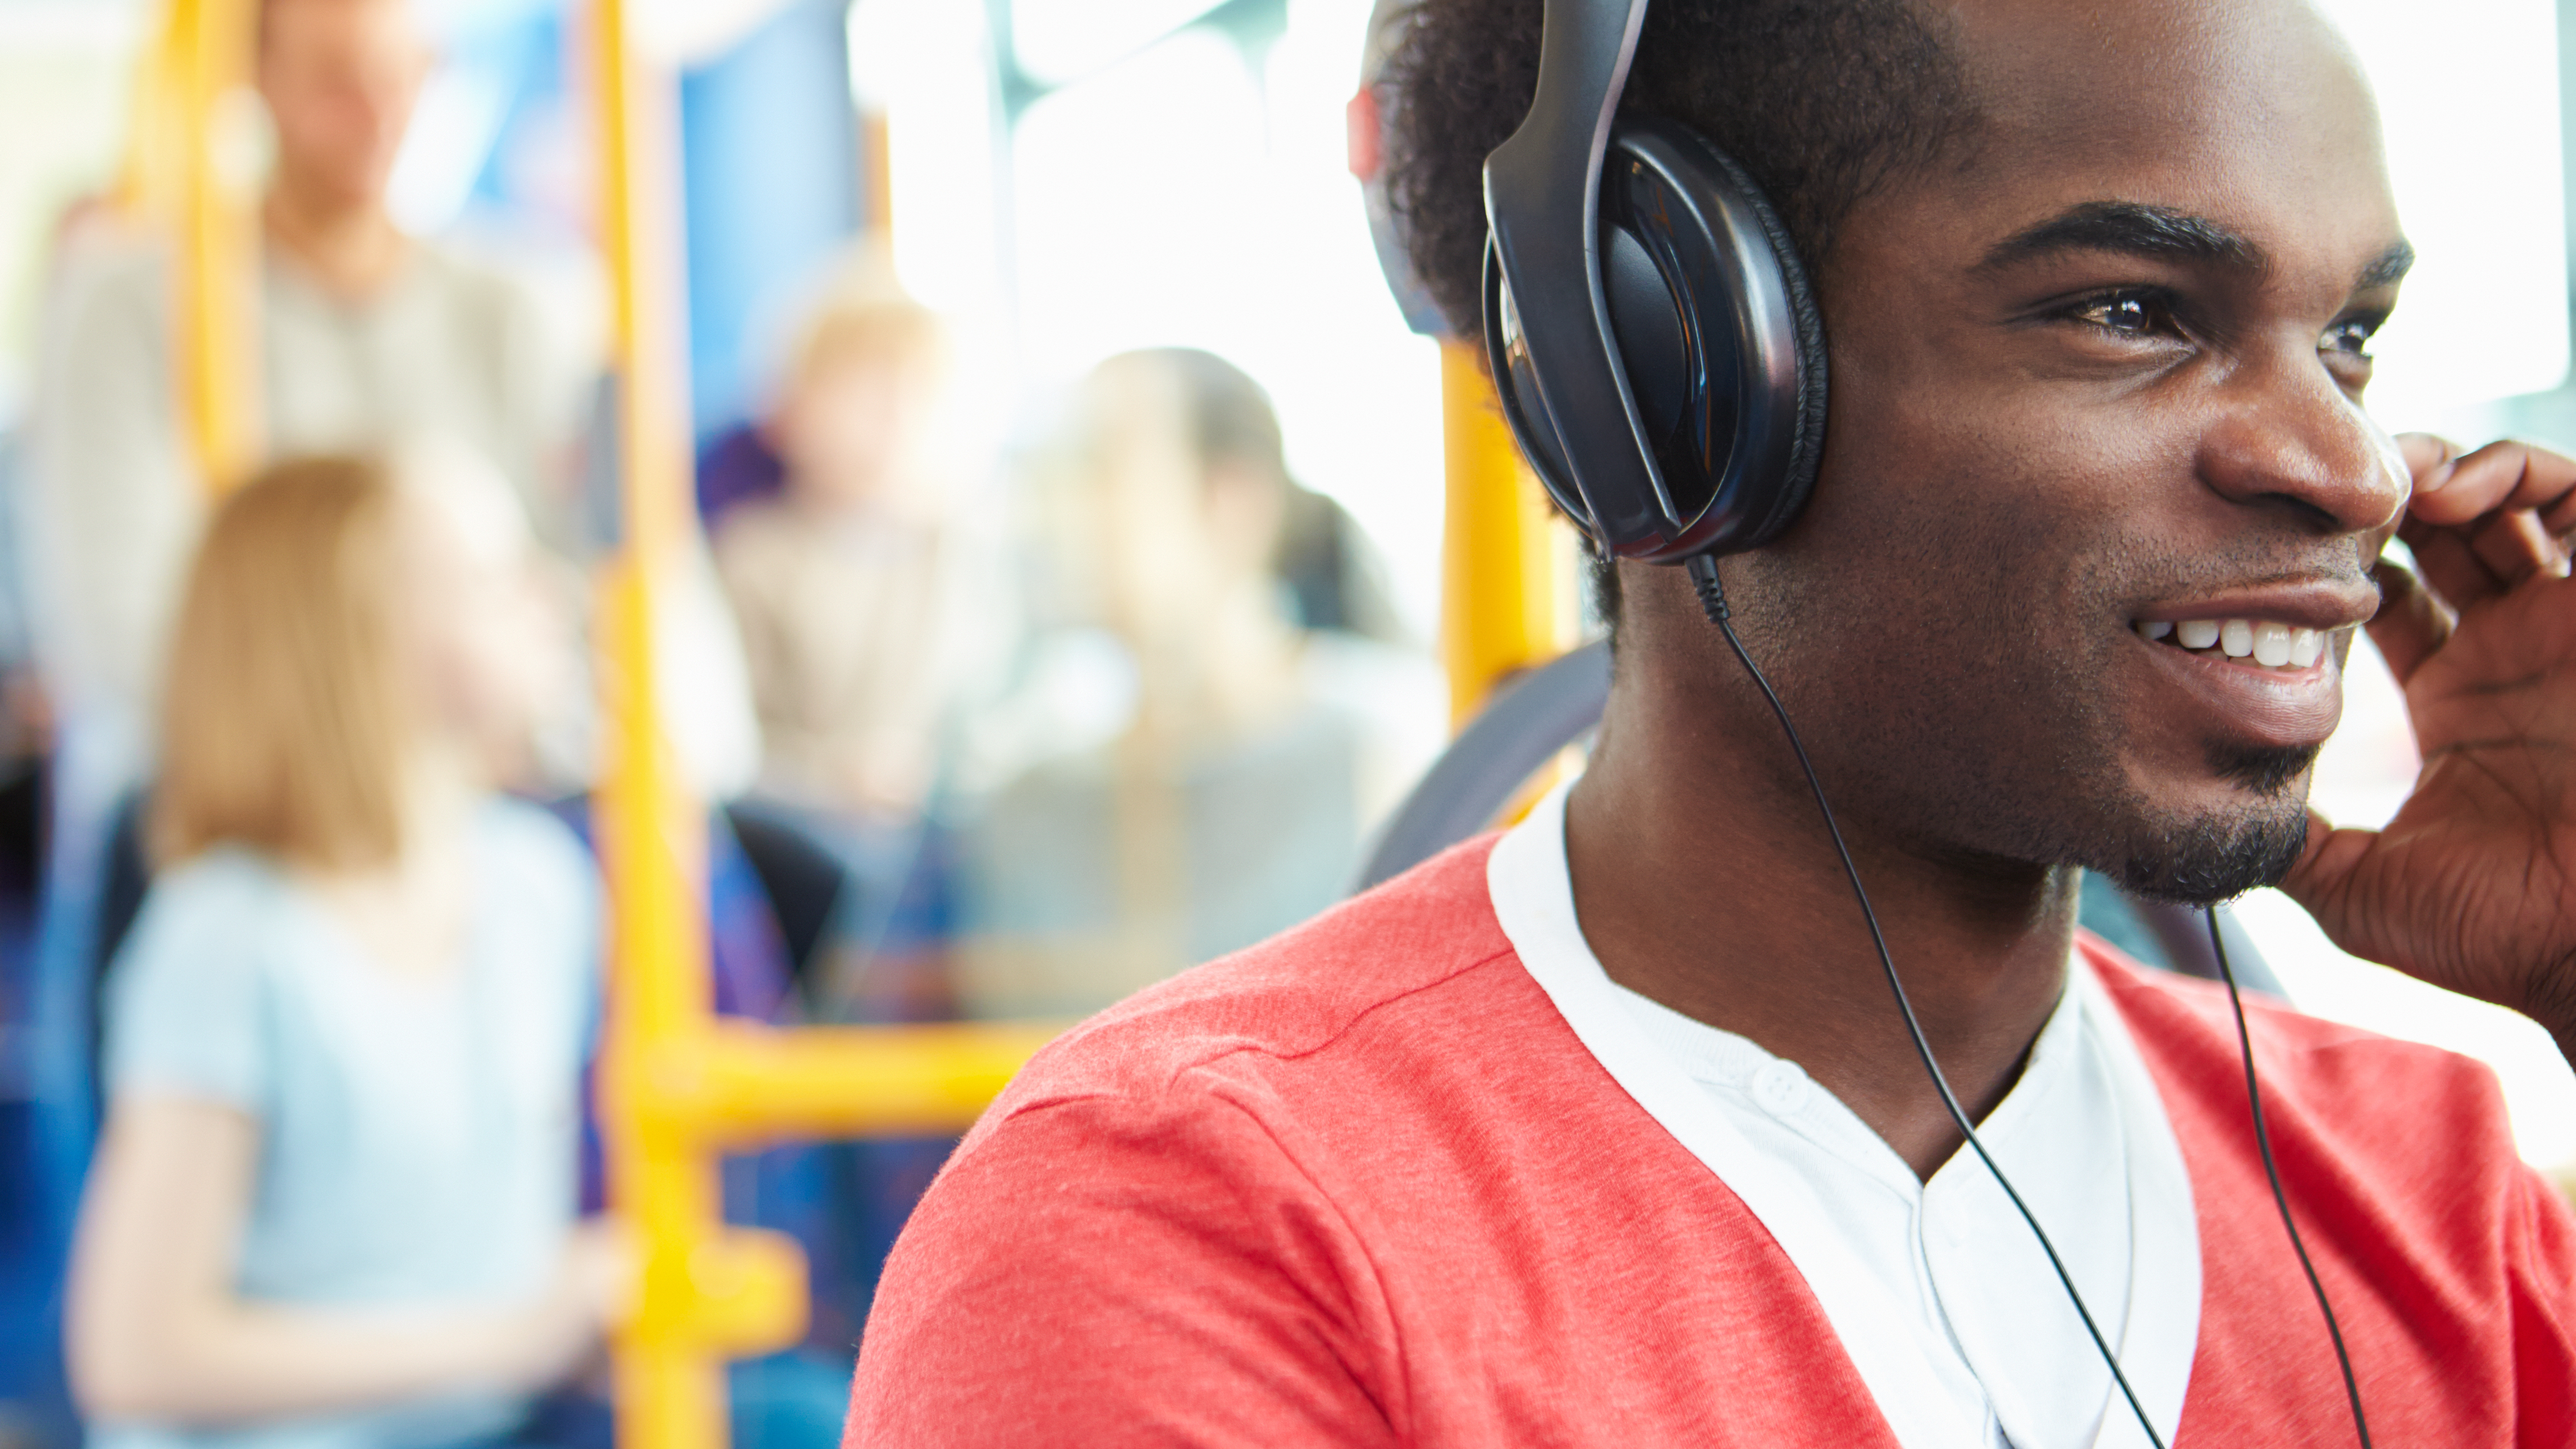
{"x":2281,"y":1199}
{"x":1712,"y":599}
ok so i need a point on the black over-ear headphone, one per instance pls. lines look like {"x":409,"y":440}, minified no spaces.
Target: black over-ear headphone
{"x":1659,"y":357}
{"x":1652,"y":336}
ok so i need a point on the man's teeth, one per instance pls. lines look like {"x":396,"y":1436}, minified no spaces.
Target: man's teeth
{"x":2266,"y":642}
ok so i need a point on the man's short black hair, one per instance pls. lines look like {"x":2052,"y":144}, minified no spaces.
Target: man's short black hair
{"x":1823,"y":101}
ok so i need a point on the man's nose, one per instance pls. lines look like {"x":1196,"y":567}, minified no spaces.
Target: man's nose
{"x":2286,"y":435}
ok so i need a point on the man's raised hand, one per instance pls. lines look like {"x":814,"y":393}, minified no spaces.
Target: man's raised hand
{"x":2473,"y":885}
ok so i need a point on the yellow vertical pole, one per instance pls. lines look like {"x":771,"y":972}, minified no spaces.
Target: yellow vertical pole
{"x":1506,"y":596}
{"x":190,"y":171}
{"x":148,"y":184}
{"x":669,"y":1389}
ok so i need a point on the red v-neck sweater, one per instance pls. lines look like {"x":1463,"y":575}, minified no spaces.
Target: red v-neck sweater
{"x":1361,"y":1185}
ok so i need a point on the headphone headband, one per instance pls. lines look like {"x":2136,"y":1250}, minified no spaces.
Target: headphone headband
{"x":1543,"y":206}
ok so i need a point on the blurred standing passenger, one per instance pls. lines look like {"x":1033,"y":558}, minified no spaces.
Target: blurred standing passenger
{"x":1196,"y":764}
{"x":369,"y":337}
{"x":333,"y":1206}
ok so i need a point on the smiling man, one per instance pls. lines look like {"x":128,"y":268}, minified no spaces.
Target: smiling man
{"x":1608,"y":1131}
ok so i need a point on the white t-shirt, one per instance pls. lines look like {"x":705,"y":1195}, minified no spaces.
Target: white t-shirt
{"x":1938,"y":1290}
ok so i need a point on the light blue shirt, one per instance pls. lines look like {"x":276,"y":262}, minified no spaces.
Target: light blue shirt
{"x":417,"y":1136}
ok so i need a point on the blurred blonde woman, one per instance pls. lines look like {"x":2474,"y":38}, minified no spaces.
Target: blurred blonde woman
{"x":333,"y":1206}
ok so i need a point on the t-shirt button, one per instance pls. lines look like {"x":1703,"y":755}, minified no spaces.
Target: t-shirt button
{"x":1781,"y":1088}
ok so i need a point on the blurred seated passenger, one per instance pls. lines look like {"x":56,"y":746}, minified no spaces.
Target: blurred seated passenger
{"x":847,"y":583}
{"x":334,"y":1200}
{"x":1196,"y":770}
{"x":842,"y":581}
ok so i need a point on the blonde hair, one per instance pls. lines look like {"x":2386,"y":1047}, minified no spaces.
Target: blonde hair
{"x":282,"y":722}
{"x":865,"y":313}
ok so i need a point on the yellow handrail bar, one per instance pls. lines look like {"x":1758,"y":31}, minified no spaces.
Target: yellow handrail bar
{"x":742,"y":1086}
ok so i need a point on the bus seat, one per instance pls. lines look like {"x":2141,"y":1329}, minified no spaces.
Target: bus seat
{"x":1525,"y":725}
{"x":1559,"y":704}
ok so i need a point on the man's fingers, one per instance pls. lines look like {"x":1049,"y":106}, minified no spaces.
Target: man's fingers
{"x":2516,"y":545}
{"x":2325,"y":869}
{"x":2450,"y":563}
{"x":2424,"y":452}
{"x":2410,"y":624}
{"x":2500,"y":475}
{"x":2481,"y":522}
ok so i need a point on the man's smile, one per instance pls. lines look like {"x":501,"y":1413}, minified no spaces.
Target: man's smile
{"x":2265,"y":666}
{"x":2264,"y":643}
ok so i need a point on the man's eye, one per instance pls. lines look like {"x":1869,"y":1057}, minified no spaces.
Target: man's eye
{"x":2129,"y":314}
{"x":2349,"y":338}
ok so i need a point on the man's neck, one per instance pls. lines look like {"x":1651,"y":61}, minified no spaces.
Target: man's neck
{"x":1704,"y":879}
{"x":352,"y":250}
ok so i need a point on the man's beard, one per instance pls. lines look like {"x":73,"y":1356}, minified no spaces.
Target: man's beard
{"x":2207,"y":859}
{"x":2067,"y":775}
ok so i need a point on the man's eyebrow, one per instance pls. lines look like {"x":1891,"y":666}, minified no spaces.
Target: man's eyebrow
{"x":2157,"y":232}
{"x":2388,"y":269}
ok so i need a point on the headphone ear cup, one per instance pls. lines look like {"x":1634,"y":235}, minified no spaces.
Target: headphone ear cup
{"x":1720,"y":338}
{"x":1656,"y":341}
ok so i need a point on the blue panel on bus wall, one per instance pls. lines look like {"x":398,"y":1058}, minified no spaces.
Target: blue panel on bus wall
{"x":529,"y":53}
{"x":769,"y":144}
